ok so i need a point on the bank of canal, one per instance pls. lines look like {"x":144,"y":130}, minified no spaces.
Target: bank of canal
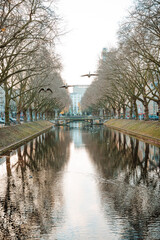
{"x":16,"y":135}
{"x":148,"y":131}
{"x":79,"y":183}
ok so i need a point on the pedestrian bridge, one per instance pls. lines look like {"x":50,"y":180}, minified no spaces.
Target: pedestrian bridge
{"x":66,"y":120}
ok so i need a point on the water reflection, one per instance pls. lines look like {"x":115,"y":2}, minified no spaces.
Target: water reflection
{"x":129,"y":183}
{"x":31,"y":197}
{"x":123,"y":157}
{"x":80,"y":183}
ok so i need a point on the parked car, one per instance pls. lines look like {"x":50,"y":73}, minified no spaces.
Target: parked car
{"x":2,"y":121}
{"x":13,"y":120}
{"x":153,"y":117}
{"x":21,"y":119}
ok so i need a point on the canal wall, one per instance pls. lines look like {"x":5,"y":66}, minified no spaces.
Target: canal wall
{"x":15,"y":135}
{"x":148,"y":131}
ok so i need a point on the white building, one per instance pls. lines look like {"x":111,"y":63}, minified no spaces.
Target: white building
{"x":2,"y":105}
{"x":2,"y":102}
{"x":76,"y":96}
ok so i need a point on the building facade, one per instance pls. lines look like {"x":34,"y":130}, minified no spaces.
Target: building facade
{"x":76,"y":96}
{"x":2,"y":102}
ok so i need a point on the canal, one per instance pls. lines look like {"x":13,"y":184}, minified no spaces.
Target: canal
{"x":80,"y":183}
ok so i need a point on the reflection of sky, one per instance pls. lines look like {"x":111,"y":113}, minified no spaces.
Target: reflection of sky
{"x":84,"y":219}
{"x":89,"y":210}
{"x":76,"y":135}
{"x":84,"y":204}
{"x":3,"y":169}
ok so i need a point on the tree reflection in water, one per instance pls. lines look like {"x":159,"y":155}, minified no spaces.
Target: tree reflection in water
{"x":29,"y":192}
{"x":33,"y":204}
{"x":128,"y":176}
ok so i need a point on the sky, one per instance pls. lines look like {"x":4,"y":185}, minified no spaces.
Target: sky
{"x":90,"y":26}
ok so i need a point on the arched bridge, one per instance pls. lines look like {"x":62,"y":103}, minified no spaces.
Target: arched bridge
{"x":65,"y":120}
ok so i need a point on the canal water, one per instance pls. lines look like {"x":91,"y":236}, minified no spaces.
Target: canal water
{"x":80,"y":183}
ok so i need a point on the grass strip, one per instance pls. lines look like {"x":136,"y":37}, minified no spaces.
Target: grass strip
{"x":16,"y":133}
{"x":142,"y":129}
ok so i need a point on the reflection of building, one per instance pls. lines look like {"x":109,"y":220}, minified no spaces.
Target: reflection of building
{"x":76,"y":135}
{"x":76,"y":96}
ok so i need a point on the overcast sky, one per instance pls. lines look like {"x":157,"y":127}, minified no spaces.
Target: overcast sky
{"x":91,"y":26}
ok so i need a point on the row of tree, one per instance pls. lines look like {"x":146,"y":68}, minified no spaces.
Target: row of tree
{"x":130,"y":72}
{"x":28,"y":60}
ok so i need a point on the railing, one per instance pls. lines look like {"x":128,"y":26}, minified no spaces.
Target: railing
{"x":64,"y":120}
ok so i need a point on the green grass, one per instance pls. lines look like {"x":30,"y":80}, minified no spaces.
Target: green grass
{"x":12,"y":134}
{"x":147,"y":128}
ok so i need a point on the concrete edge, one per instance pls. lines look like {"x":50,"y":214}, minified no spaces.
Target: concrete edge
{"x":24,"y":140}
{"x":144,"y":138}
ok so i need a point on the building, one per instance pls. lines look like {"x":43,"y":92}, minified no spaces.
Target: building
{"x":2,"y":105}
{"x":2,"y":102}
{"x":104,"y":54}
{"x":76,"y":96}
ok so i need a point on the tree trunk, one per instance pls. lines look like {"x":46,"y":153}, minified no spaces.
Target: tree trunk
{"x":114,"y":112}
{"x":30,"y":114}
{"x":46,"y":115}
{"x":36,"y":116}
{"x":25,"y":115}
{"x":131,"y":111}
{"x":119,"y":113}
{"x":18,"y":111}
{"x":39,"y":115}
{"x":124,"y":111}
{"x":7,"y":101}
{"x":136,"y":109}
{"x":51,"y":115}
{"x":146,"y":110}
{"x":18,"y":116}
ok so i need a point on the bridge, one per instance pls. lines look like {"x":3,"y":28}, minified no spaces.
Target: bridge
{"x":66,"y":120}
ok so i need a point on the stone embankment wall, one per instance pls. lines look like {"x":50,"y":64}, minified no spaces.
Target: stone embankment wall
{"x":148,"y":131}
